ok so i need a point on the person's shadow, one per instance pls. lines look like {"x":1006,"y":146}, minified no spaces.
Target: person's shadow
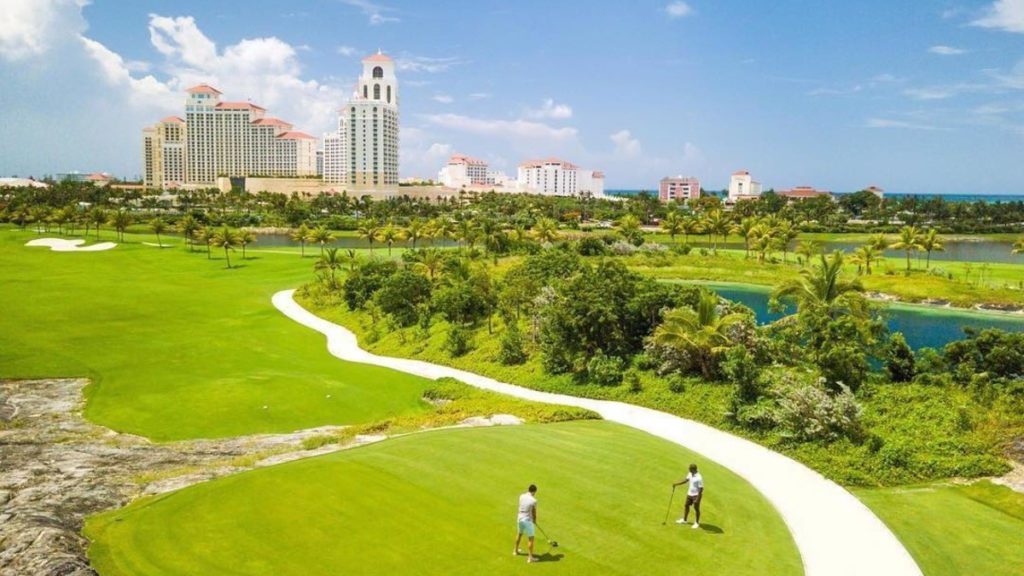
{"x":548,"y":557}
{"x":711,"y":528}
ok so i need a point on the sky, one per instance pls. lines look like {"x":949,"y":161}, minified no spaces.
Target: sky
{"x":915,"y":97}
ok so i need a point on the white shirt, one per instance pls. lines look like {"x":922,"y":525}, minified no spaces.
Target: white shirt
{"x":527,"y":504}
{"x":696,"y":483}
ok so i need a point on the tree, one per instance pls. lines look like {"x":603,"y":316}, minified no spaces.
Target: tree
{"x":545,"y":230}
{"x":369,"y":230}
{"x":158,"y":226}
{"x":743,"y":228}
{"x":716,"y":223}
{"x":205,"y":235}
{"x":99,"y":218}
{"x":807,"y":250}
{"x":246,"y":237}
{"x":188,"y":226}
{"x":865,"y":256}
{"x":401,"y":295}
{"x":931,"y":242}
{"x":301,"y":235}
{"x":785,"y":233}
{"x":227,"y":239}
{"x":431,"y":261}
{"x":322,"y":236}
{"x":414,"y":231}
{"x":442,"y":227}
{"x":672,"y":224}
{"x":909,"y":241}
{"x":899,"y":359}
{"x":700,"y":332}
{"x":120,"y":220}
{"x":823,"y":289}
{"x":691,"y":225}
{"x":1018,"y":246}
{"x":389,"y":234}
{"x":879,"y":242}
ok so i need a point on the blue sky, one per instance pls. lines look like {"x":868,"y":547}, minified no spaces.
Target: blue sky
{"x":913,"y":96}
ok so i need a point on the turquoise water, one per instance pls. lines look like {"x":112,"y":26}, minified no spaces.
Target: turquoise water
{"x":922,"y":326}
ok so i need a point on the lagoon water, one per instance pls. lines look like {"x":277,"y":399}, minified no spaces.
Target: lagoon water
{"x":922,"y":326}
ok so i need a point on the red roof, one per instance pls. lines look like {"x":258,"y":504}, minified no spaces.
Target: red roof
{"x":378,"y":57}
{"x":463,"y":159}
{"x":295,"y":136}
{"x":598,"y":174}
{"x":803,"y":192}
{"x":98,"y":176}
{"x":741,"y":173}
{"x":172,"y":119}
{"x":238,"y":106}
{"x":271,"y":122}
{"x":203,"y":89}
{"x":545,"y":161}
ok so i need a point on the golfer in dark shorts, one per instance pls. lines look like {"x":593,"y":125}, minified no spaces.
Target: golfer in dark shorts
{"x":693,"y":495}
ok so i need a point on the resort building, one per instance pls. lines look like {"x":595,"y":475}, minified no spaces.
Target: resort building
{"x":363,"y":153}
{"x":803,"y":193}
{"x":876,"y":191}
{"x":680,"y":189}
{"x":462,"y":171}
{"x":556,"y":177}
{"x":163,"y":154}
{"x":223,"y":139}
{"x":742,"y":187}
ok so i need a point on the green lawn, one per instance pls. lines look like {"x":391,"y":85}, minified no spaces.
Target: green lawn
{"x":444,"y":503}
{"x":177,"y":346}
{"x":955,"y":530}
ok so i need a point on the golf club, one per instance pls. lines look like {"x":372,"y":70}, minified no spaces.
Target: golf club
{"x":669,"y":510}
{"x":552,"y":543}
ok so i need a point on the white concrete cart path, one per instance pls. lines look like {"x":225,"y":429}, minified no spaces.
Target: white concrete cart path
{"x":836,"y":534}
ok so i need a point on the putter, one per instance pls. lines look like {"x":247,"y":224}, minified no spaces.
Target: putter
{"x":552,"y":543}
{"x":669,"y":510}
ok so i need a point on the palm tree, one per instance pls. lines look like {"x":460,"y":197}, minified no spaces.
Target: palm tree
{"x":672,"y":223}
{"x":246,"y":237}
{"x":807,"y":250}
{"x":467,"y":232}
{"x":205,"y":235}
{"x":822,"y":288}
{"x":545,"y":230}
{"x":99,"y":218}
{"x":700,"y":332}
{"x":629,"y":227}
{"x":1018,"y":246}
{"x":370,"y":231}
{"x":762,"y":239}
{"x":157,"y":225}
{"x":188,"y":226}
{"x":414,"y":231}
{"x":442,"y":227}
{"x":909,"y":241}
{"x":226,"y":239}
{"x":743,"y":229}
{"x":389,"y":234}
{"x":120,"y":220}
{"x":865,"y":256}
{"x":329,"y":263}
{"x":691,"y":225}
{"x":301,"y":235}
{"x":786,"y":233}
{"x":492,"y":234}
{"x":70,"y":216}
{"x":879,"y":242}
{"x":716,"y":223}
{"x":431,"y":261}
{"x":322,"y":236}
{"x":931,"y":242}
{"x":40,"y":215}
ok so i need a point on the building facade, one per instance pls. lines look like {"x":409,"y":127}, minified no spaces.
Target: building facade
{"x":742,"y":186}
{"x":680,"y":189}
{"x":804,"y":193}
{"x":555,"y":177}
{"x":463,"y":171}
{"x":363,"y":153}
{"x":221,"y":138}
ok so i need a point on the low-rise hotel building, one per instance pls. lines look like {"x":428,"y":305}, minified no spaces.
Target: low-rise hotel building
{"x":803,"y":193}
{"x":679,"y":188}
{"x":463,"y":171}
{"x":743,"y":187}
{"x":556,"y":177}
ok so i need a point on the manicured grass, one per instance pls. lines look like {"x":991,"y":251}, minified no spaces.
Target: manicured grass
{"x":444,"y":503}
{"x":955,"y":530}
{"x":178,"y":346}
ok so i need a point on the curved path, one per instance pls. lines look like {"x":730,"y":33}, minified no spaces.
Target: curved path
{"x":836,"y":534}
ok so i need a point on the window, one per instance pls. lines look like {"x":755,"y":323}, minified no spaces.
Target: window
{"x":378,"y":72}
{"x":365,"y":96}
{"x":376,"y":91}
{"x":389,"y":94}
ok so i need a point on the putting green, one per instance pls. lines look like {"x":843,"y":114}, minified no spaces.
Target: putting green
{"x":954,"y":530}
{"x":177,"y":346}
{"x":444,"y":503}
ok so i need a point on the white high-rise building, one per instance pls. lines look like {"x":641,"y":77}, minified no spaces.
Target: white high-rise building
{"x":363,"y":153}
{"x":556,"y":177}
{"x":224,"y":139}
{"x":163,"y":154}
{"x":743,"y":186}
{"x":462,"y":171}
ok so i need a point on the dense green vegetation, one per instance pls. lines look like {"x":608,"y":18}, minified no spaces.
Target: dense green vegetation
{"x":444,"y":503}
{"x":178,"y":346}
{"x":955,"y":529}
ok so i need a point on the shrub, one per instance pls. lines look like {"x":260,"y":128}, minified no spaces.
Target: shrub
{"x":365,"y":280}
{"x":632,"y":381}
{"x":676,"y":384}
{"x":811,"y":413}
{"x":899,"y":359}
{"x":591,"y":246}
{"x":682,"y":249}
{"x":401,"y":294}
{"x":457,"y":343}
{"x":621,"y":248}
{"x":843,"y":365}
{"x":512,"y":351}
{"x":740,"y":369}
{"x":604,"y":370}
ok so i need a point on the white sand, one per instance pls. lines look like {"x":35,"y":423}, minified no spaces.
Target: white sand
{"x":837,"y":535}
{"x":64,"y":245}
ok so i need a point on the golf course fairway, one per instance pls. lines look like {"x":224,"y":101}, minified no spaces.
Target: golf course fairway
{"x":177,"y":346}
{"x":444,"y":503}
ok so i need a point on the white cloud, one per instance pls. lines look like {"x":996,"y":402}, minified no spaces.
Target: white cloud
{"x":512,"y":129}
{"x":479,"y":95}
{"x":147,"y":90}
{"x":678,"y":9}
{"x":1007,"y":15}
{"x":890,"y":123}
{"x":625,"y":144}
{"x":375,"y":12}
{"x":549,"y":109}
{"x":29,"y":28}
{"x":439,"y":151}
{"x":347,"y":51}
{"x":946,"y":50}
{"x":443,"y":98}
{"x":409,"y":63}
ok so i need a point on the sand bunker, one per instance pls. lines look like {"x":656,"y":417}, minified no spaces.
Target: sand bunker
{"x":62,"y":245}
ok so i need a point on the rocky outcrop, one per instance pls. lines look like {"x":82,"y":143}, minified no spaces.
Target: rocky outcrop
{"x":56,"y":469}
